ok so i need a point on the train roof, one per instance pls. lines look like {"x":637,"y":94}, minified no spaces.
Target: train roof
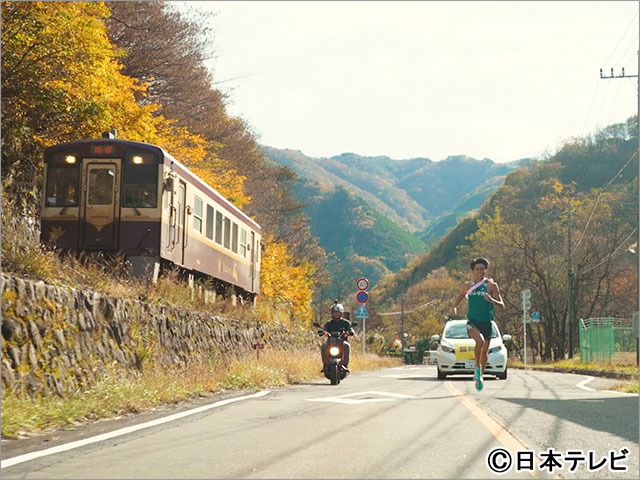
{"x":167,"y":156}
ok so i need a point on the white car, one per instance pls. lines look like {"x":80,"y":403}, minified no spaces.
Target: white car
{"x":456,"y":351}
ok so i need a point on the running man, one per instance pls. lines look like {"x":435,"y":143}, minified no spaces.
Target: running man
{"x":483,"y":293}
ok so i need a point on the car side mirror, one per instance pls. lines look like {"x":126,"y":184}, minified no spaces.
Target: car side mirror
{"x":506,"y":338}
{"x":435,"y":338}
{"x":354,"y":324}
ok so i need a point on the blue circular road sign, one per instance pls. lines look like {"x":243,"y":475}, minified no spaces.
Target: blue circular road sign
{"x":362,"y":297}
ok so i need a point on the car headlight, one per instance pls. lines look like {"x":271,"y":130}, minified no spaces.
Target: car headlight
{"x":447,"y":348}
{"x":495,"y":349}
{"x":334,"y":351}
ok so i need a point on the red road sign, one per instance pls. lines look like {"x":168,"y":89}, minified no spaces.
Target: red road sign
{"x":362,"y":284}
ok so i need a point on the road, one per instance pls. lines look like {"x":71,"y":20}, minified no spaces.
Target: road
{"x":392,"y":423}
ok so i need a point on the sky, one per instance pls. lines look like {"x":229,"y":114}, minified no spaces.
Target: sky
{"x":499,"y":80}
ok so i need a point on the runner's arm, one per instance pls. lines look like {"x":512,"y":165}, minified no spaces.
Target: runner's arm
{"x":454,"y":310}
{"x":493,"y":295}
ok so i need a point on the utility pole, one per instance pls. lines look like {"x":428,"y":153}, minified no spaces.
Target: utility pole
{"x":402,"y":322}
{"x":570,"y":274}
{"x":638,"y":126}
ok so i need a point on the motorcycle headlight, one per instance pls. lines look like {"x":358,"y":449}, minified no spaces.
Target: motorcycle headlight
{"x":334,"y":351}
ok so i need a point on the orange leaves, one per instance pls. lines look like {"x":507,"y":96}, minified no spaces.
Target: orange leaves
{"x":285,"y":283}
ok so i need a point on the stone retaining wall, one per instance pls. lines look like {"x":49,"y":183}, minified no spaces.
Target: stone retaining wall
{"x":61,"y":340}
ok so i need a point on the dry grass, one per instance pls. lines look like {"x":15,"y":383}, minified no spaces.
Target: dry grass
{"x":136,"y":392}
{"x":24,"y":256}
{"x":626,"y":387}
{"x":574,"y":363}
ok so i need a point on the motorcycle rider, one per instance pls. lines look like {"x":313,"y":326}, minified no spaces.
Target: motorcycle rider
{"x":336,"y":324}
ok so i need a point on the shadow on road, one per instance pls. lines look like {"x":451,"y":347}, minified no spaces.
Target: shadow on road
{"x":618,"y":416}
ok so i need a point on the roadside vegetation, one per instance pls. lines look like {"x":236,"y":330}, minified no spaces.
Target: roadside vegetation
{"x":117,"y":395}
{"x":570,"y":364}
{"x":574,"y":364}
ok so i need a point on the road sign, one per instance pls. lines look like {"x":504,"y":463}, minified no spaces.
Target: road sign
{"x":362,"y":312}
{"x":362,"y":284}
{"x":362,"y":297}
{"x":526,"y":305}
{"x":535,"y":315}
{"x":529,"y":319}
{"x":526,"y":294}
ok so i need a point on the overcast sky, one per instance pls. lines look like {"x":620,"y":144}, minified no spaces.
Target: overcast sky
{"x":499,"y":80}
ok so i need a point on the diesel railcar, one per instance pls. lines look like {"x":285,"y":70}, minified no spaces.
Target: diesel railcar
{"x":122,"y":196}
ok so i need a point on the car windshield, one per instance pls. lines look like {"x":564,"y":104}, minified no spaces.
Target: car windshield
{"x":459,"y":330}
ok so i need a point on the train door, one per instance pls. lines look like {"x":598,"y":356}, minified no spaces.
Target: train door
{"x":253,"y":261}
{"x":181,"y":234}
{"x":101,"y":204}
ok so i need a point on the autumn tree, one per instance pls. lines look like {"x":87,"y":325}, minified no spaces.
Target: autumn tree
{"x":61,"y":81}
{"x":527,"y":246}
{"x":167,"y":49}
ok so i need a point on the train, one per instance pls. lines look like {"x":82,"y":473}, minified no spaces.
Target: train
{"x":114,"y":195}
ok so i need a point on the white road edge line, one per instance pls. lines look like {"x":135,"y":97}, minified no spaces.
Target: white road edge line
{"x":123,"y":431}
{"x":583,"y":386}
{"x":583,"y":383}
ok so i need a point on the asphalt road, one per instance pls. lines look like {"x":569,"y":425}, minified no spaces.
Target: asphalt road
{"x":393,"y":423}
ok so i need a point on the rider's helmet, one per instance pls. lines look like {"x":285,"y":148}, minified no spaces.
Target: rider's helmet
{"x":337,"y":307}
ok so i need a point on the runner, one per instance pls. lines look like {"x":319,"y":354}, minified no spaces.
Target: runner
{"x":483,"y":293}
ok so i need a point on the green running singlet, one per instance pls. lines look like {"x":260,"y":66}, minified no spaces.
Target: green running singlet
{"x":480,"y":310}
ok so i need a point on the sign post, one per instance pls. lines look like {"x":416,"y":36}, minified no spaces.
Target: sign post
{"x":362,"y":313}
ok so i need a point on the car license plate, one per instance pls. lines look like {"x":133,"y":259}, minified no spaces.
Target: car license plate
{"x":470,"y":364}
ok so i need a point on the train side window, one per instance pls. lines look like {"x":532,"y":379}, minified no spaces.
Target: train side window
{"x":209,"y":222}
{"x":234,"y":238}
{"x":219,"y":228}
{"x":62,"y":186}
{"x":243,"y":243}
{"x":227,"y":232}
{"x":197,"y":215}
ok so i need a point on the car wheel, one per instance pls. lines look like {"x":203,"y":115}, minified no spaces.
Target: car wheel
{"x":441,"y":376}
{"x":502,"y":376}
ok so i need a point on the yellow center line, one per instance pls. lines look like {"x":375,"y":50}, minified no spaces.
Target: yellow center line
{"x":495,"y":427}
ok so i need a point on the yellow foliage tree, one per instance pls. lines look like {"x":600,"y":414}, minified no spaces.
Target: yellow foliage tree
{"x":286,"y":284}
{"x":62,"y":81}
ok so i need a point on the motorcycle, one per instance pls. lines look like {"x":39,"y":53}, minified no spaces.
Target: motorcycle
{"x":334,"y":368}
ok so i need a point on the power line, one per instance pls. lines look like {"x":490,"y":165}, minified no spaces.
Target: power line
{"x":595,"y":205}
{"x":611,"y":254}
{"x":620,"y":41}
{"x":428,"y":304}
{"x":633,"y":43}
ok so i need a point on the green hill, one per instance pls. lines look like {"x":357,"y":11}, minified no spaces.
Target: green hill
{"x":412,"y":193}
{"x":363,"y":241}
{"x":584,"y":163}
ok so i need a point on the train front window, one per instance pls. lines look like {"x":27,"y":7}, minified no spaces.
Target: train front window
{"x":62,"y":187}
{"x":140,"y":181}
{"x":101,"y":182}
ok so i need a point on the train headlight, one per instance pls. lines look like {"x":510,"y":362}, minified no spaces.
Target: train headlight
{"x":137,"y":159}
{"x":70,"y":159}
{"x":334,"y":351}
